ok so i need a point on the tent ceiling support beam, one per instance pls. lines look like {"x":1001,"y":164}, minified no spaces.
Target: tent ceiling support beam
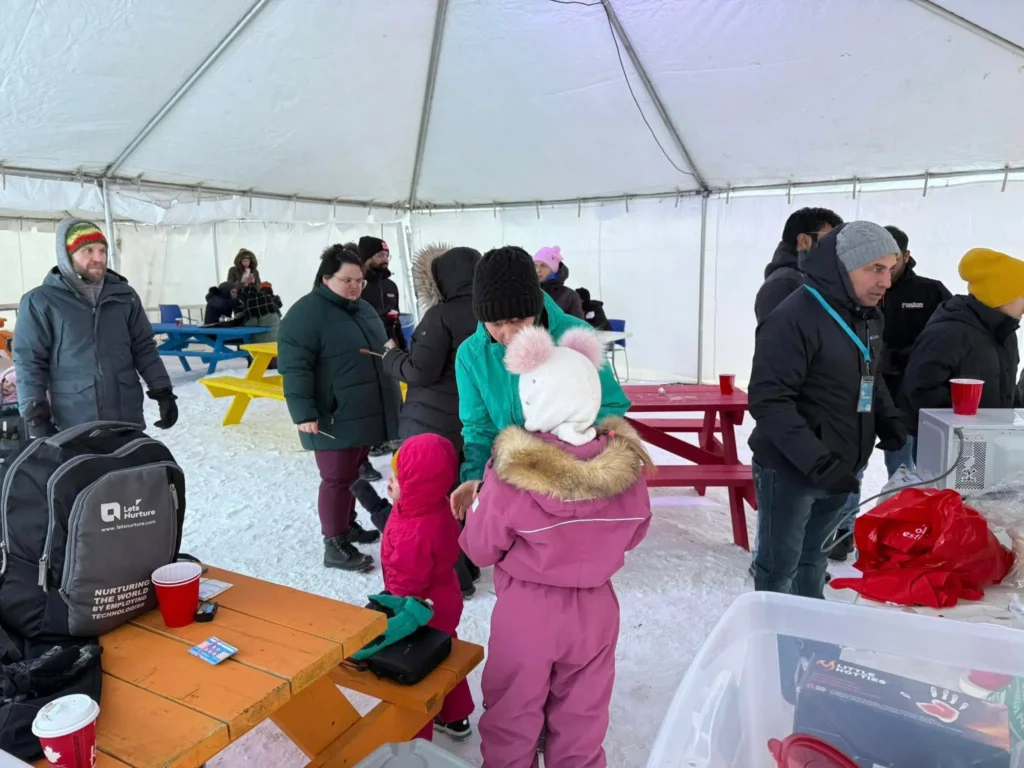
{"x":970,"y":26}
{"x":184,"y":88}
{"x":115,"y":257}
{"x":653,"y":94}
{"x":428,"y":97}
{"x":703,"y":279}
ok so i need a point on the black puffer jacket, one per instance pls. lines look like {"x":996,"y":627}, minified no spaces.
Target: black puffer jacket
{"x":219,"y":303}
{"x":381,"y":293}
{"x":566,"y":298}
{"x":963,"y":340}
{"x":444,"y":285}
{"x":593,"y":311}
{"x":806,"y":379}
{"x":908,"y":306}
{"x":782,"y":276}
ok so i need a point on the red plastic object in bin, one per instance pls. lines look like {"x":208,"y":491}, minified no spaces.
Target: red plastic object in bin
{"x":801,"y":751}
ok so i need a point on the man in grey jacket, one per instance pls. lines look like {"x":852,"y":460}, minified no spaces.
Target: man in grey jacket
{"x":83,"y":339}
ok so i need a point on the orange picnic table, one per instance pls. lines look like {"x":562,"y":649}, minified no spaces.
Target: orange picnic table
{"x":714,"y":460}
{"x":162,"y":707}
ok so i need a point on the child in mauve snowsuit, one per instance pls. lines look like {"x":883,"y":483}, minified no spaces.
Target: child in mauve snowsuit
{"x":562,"y":502}
{"x":419,"y":550}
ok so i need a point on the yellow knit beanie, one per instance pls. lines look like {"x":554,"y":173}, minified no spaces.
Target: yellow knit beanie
{"x":394,"y":463}
{"x":993,"y":278}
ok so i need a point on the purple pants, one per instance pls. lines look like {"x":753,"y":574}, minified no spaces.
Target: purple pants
{"x":550,"y":664}
{"x":336,"y":504}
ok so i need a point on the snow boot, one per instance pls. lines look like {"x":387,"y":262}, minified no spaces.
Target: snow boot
{"x":843,"y":549}
{"x":339,"y":553}
{"x":380,"y":450}
{"x":460,"y":730}
{"x":369,"y":473}
{"x":359,"y":535}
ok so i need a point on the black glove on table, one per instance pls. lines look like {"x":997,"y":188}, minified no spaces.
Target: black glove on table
{"x":165,"y":398}
{"x":39,"y":422}
{"x":46,"y":674}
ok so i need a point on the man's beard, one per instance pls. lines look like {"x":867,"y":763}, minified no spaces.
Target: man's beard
{"x":91,"y":277}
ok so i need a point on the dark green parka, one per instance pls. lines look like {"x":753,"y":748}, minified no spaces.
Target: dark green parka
{"x":328,"y":380}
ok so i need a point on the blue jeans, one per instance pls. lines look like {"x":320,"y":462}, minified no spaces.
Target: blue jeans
{"x":903,"y":457}
{"x":793,"y":523}
{"x":850,"y":507}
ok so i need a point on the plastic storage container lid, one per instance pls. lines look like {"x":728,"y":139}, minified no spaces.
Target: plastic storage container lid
{"x":412,"y":754}
{"x":65,"y":715}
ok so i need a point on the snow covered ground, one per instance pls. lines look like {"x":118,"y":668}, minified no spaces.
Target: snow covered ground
{"x":252,"y":509}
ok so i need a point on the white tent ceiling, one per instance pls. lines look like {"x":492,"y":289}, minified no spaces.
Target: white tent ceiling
{"x":325,"y":99}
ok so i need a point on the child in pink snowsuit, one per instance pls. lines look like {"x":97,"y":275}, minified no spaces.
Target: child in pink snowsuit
{"x":419,"y":550}
{"x":561,"y":503}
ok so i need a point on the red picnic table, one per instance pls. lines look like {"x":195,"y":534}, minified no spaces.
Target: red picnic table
{"x":714,"y":461}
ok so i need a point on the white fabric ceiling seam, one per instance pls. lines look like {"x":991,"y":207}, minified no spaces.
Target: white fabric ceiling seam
{"x":982,"y":32}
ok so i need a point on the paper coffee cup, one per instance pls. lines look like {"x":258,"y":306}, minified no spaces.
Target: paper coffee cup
{"x":66,"y":729}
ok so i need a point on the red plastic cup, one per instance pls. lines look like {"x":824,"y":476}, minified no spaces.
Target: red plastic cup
{"x":966,"y":395}
{"x":66,"y":729}
{"x":727,"y":383}
{"x":177,"y":592}
{"x":801,"y":751}
{"x":179,"y":322}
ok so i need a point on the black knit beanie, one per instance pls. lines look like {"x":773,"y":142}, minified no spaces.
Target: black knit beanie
{"x":505,"y":286}
{"x":370,"y":247}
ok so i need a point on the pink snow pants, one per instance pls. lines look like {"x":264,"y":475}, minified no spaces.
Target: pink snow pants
{"x":550,"y":662}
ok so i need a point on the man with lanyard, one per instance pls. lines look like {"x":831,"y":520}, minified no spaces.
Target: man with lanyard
{"x":818,"y":402}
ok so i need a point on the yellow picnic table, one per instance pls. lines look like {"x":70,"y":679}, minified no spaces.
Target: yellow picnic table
{"x":163,"y":707}
{"x":254,"y":384}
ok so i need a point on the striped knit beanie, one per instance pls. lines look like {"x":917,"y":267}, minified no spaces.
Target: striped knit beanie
{"x":83,"y":234}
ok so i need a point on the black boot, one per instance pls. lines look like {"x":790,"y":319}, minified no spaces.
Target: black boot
{"x":843,"y":549}
{"x":371,"y":501}
{"x":359,"y":535}
{"x":383,"y":449}
{"x":339,"y":553}
{"x":369,"y":472}
{"x":465,"y":574}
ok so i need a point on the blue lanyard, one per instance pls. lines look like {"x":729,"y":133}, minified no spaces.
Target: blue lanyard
{"x":864,"y":348}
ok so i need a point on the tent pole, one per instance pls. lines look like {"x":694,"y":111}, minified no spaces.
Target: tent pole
{"x":700,"y":297}
{"x":653,"y":94}
{"x":428,"y":98}
{"x":115,"y":257}
{"x":970,"y":26}
{"x":154,"y":121}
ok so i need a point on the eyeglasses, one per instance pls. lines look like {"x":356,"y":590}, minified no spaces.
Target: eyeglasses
{"x":349,"y":282}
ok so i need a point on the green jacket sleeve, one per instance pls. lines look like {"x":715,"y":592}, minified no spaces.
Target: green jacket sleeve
{"x":478,"y":430}
{"x":296,"y":361}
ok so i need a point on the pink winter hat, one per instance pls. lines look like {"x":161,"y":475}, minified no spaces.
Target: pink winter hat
{"x":549,"y":256}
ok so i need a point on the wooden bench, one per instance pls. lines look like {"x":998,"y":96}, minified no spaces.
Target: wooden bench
{"x":737,"y":478}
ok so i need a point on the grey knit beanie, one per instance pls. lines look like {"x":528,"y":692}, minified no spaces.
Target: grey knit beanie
{"x":861,"y":242}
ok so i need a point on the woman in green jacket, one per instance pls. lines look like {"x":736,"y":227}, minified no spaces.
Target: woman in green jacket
{"x":339,"y":396}
{"x":507,"y":297}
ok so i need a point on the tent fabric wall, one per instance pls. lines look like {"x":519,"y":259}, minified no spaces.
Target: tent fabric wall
{"x":643,"y":263}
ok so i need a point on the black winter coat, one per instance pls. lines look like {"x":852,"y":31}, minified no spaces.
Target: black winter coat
{"x":908,"y":306}
{"x":782,"y":276}
{"x":220,"y":304}
{"x":444,"y":283}
{"x":381,"y":293}
{"x":963,"y":340}
{"x":566,"y":298}
{"x":593,"y":313}
{"x":806,"y":379}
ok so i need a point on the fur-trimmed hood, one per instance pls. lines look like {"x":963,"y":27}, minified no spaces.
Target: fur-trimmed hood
{"x":441,"y":273}
{"x":548,"y":468}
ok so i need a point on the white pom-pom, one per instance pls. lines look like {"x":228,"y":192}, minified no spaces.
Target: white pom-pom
{"x":531,"y":348}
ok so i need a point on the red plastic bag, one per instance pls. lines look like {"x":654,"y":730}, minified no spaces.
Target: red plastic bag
{"x":924,"y":547}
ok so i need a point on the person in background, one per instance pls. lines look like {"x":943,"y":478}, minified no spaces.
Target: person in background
{"x":444,"y":285}
{"x":244,"y":272}
{"x":552,"y":273}
{"x":783,"y":274}
{"x":261,"y":309}
{"x":593,"y":311}
{"x":338,"y":396}
{"x":555,"y":625}
{"x":419,"y":551}
{"x":84,"y":340}
{"x":380,"y":292}
{"x":969,"y":337}
{"x":9,"y":386}
{"x":908,"y":306}
{"x":221,"y":301}
{"x":507,"y":298}
{"x":818,"y":403}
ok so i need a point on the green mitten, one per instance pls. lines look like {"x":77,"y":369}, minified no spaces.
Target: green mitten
{"x":410,"y":613}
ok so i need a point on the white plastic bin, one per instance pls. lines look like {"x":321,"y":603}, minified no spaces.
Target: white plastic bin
{"x":412,"y":754}
{"x":730,"y":703}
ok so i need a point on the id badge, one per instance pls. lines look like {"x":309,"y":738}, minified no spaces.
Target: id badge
{"x":867,"y":392}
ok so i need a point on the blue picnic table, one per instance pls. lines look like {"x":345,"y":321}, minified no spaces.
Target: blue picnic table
{"x":181,"y":336}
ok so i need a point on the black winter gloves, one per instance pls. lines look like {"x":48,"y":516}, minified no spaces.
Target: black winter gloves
{"x":46,"y":674}
{"x":39,"y":422}
{"x":892,"y":435}
{"x":168,"y":408}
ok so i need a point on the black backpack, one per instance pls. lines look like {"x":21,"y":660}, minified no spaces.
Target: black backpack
{"x":86,"y":516}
